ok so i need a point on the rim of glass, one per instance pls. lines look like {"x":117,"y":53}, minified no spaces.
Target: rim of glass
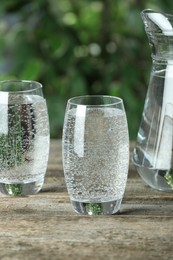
{"x":118,"y":100}
{"x":35,"y":85}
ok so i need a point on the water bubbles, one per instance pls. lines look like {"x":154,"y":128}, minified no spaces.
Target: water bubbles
{"x":24,"y":146}
{"x":101,"y":172}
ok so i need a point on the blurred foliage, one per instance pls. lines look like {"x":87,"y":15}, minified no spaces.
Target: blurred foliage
{"x":79,"y":47}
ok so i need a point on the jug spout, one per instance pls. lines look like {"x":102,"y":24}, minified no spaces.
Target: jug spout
{"x":159,"y":29}
{"x":156,"y":22}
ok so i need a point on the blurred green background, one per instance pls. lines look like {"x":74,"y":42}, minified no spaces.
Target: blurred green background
{"x":78,"y":47}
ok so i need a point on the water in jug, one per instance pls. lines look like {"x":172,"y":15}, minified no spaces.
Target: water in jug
{"x":153,"y":153}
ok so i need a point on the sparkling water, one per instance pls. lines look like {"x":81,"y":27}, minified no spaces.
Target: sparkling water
{"x":24,"y":144}
{"x":153,"y":151}
{"x":95,"y":157}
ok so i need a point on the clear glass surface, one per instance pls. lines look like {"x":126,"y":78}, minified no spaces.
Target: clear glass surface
{"x":24,"y":137}
{"x":95,"y":153}
{"x":153,"y":151}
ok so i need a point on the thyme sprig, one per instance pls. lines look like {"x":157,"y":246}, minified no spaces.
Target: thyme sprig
{"x":94,"y":208}
{"x":169,"y":178}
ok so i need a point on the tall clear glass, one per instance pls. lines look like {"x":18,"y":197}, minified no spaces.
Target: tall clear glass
{"x":24,"y":137}
{"x":95,"y":153}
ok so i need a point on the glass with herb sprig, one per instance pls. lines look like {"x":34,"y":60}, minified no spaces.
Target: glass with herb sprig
{"x":24,"y":137}
{"x":95,"y":153}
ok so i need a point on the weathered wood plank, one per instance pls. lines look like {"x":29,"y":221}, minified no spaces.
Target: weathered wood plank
{"x":45,"y":226}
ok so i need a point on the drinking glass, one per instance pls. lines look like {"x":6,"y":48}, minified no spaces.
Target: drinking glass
{"x":95,"y":153}
{"x":24,"y":137}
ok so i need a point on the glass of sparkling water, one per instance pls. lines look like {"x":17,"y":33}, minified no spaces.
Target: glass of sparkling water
{"x":95,"y":153}
{"x":24,"y":137}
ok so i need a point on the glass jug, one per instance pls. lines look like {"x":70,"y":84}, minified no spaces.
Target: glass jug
{"x":153,"y":153}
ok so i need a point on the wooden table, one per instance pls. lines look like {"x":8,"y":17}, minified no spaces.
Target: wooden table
{"x":45,"y":226}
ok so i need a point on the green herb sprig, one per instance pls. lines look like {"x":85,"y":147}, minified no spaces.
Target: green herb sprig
{"x":94,"y":208}
{"x":169,"y":178}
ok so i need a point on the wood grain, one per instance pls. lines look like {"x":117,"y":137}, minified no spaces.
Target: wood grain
{"x":45,"y":226}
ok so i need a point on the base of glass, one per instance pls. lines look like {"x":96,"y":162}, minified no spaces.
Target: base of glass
{"x":97,"y":208}
{"x":21,"y":189}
